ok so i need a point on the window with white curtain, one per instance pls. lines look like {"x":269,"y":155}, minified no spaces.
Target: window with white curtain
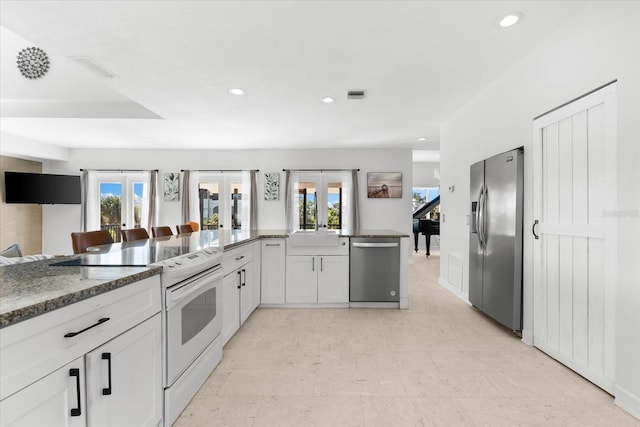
{"x":321,"y":200}
{"x":220,"y":200}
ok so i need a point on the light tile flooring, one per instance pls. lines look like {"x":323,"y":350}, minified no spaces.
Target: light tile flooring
{"x":440,"y":363}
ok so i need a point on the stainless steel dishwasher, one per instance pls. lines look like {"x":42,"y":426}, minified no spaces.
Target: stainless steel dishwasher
{"x":374,"y":269}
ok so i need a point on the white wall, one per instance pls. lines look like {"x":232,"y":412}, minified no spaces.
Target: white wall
{"x":59,"y":221}
{"x":423,"y":175}
{"x":600,"y":44}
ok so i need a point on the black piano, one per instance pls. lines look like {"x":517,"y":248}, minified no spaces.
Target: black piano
{"x":427,"y":227}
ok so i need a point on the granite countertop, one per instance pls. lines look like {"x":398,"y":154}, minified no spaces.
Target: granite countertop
{"x":33,"y":288}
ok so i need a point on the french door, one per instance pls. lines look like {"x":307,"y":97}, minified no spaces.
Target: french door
{"x":575,"y":235}
{"x":320,"y":200}
{"x":223,"y":201}
{"x":123,"y":202}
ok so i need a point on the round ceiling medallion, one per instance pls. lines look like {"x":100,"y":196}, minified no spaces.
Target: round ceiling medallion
{"x":33,"y":62}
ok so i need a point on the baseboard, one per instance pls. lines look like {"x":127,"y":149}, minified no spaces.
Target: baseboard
{"x":445,"y":284}
{"x":374,"y":305}
{"x":627,"y":401}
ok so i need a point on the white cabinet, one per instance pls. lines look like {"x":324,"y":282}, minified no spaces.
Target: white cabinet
{"x":52,"y":371}
{"x":124,"y":378}
{"x":333,"y":279}
{"x":302,"y":279}
{"x":317,"y":274}
{"x":320,"y":279}
{"x":49,"y":401}
{"x":256,"y":278}
{"x":231,"y":305}
{"x":272,"y":273}
{"x":238,"y":289}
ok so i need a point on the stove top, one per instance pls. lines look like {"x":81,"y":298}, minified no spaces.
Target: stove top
{"x":142,"y":253}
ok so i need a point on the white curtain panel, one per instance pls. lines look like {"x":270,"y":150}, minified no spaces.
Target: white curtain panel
{"x":85,"y":191}
{"x":192,"y":196}
{"x":291,"y":202}
{"x":254,"y":200}
{"x":355,"y":204}
{"x":152,"y":206}
{"x":92,"y":203}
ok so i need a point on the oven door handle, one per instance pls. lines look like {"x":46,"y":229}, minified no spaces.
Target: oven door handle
{"x":184,"y":291}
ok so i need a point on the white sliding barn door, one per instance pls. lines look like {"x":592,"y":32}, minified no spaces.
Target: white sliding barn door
{"x":575,"y":254}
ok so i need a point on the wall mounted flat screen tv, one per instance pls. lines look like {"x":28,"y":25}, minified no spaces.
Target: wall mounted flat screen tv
{"x":41,"y":188}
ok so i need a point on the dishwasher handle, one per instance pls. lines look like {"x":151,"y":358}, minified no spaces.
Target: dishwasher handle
{"x":375,"y":245}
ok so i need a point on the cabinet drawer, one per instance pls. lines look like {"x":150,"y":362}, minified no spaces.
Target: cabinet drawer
{"x":36,"y":347}
{"x":236,"y":258}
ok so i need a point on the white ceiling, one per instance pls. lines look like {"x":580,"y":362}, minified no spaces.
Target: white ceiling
{"x":419,"y":61}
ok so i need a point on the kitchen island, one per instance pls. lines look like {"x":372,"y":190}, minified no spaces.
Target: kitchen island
{"x":93,"y":310}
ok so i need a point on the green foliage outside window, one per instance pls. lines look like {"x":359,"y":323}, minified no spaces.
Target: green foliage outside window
{"x":110,"y":210}
{"x":333,"y":216}
{"x":211,"y":222}
{"x":310,"y":214}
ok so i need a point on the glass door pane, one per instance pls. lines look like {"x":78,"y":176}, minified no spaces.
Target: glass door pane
{"x":334,"y":205}
{"x":138,"y":194}
{"x":209,"y":195}
{"x":307,"y":206}
{"x":236,"y":205}
{"x":111,"y":208}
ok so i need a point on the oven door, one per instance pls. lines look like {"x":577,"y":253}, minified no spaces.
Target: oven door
{"x":193,"y":320}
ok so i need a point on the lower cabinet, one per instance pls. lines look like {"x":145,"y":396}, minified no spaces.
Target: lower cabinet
{"x":272,"y":272}
{"x":238,"y":290}
{"x":317,"y":279}
{"x":117,"y":384}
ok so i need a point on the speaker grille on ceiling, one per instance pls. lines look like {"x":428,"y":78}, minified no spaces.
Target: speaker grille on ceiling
{"x":355,"y":94}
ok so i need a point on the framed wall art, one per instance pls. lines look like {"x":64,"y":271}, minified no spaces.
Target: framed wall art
{"x":384,"y":185}
{"x":172,"y":186}
{"x":272,"y":186}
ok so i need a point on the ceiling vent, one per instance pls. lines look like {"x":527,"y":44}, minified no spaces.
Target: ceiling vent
{"x":93,"y":66}
{"x":355,"y":94}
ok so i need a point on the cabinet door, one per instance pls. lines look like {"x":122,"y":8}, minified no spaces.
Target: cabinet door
{"x":256,"y":288}
{"x":124,"y":378}
{"x":302,"y":279}
{"x":246,"y":292}
{"x":272,"y":274}
{"x":231,"y":305}
{"x":333,"y":279}
{"x":49,"y":401}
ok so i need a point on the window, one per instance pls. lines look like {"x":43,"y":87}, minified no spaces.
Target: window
{"x":422,"y":195}
{"x":321,"y":200}
{"x":116,"y":201}
{"x":223,"y":200}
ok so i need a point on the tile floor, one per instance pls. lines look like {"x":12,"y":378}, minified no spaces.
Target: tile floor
{"x":440,"y":363}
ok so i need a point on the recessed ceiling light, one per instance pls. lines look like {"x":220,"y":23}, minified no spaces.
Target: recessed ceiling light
{"x":422,"y":138}
{"x":328,"y":100}
{"x":236,"y":91}
{"x":510,"y":20}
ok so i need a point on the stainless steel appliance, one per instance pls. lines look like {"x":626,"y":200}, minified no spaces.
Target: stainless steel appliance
{"x":374,"y":270}
{"x":495,"y":237}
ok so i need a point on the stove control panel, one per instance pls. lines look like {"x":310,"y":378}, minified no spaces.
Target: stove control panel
{"x":180,"y":267}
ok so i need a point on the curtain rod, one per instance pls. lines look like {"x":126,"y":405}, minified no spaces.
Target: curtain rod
{"x":221,"y":170}
{"x":320,"y":170}
{"x":119,"y":170}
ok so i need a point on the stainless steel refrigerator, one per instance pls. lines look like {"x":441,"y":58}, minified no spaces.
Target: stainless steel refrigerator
{"x":495,"y":237}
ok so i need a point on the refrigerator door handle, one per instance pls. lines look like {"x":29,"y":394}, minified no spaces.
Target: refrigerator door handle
{"x":485,"y":195}
{"x":479,"y":218}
